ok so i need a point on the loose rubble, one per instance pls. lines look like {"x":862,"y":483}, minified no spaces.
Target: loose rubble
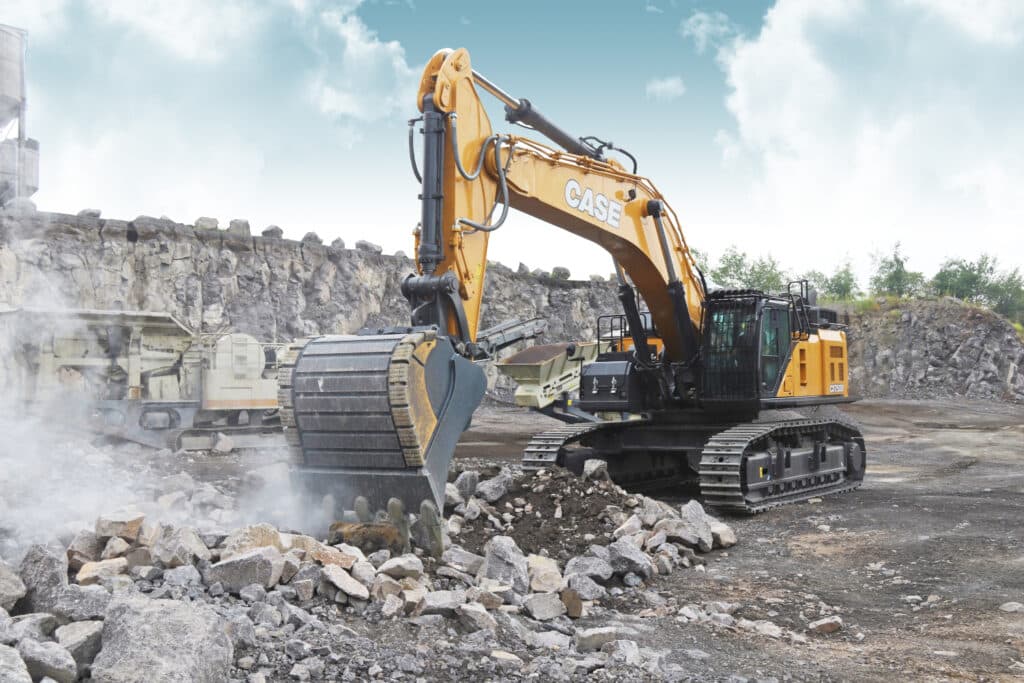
{"x":132,"y":598}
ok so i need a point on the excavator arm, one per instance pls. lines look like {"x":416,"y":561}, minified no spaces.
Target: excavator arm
{"x":470,"y":174}
{"x":376,"y":416}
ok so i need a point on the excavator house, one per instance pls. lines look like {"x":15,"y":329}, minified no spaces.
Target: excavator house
{"x":731,"y":389}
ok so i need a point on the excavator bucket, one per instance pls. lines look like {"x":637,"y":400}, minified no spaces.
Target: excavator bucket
{"x":376,"y":416}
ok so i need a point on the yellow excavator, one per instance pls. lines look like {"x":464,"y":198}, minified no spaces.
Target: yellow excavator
{"x":724,"y":386}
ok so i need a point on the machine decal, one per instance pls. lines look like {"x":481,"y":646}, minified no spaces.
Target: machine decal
{"x":594,"y":204}
{"x":835,"y":388}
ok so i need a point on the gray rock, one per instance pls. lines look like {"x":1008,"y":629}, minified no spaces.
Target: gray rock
{"x":505,"y":562}
{"x":181,"y":546}
{"x":344,"y":582}
{"x":586,"y":587}
{"x":403,"y":566}
{"x":467,"y":482}
{"x":261,"y":565}
{"x":722,"y":534}
{"x":239,"y":226}
{"x":337,"y":243}
{"x":364,"y":573}
{"x":452,"y":496}
{"x":363,"y":245}
{"x":207,"y":223}
{"x":85,"y":547}
{"x":82,"y":639}
{"x":12,"y":588}
{"x":462,"y":560}
{"x":34,"y":626}
{"x":163,"y":640}
{"x":693,"y":514}
{"x":44,"y":572}
{"x":241,"y":631}
{"x":273,"y":232}
{"x":441,"y":602}
{"x":587,"y":640}
{"x":826,"y":625}
{"x":90,"y":213}
{"x":254,"y":592}
{"x":552,"y":640}
{"x":12,"y":668}
{"x":48,"y":659}
{"x":475,"y":617}
{"x":124,"y":523}
{"x":631,"y":526}
{"x":312,"y":238}
{"x":1012,"y":607}
{"x":595,"y":469}
{"x":625,"y":558}
{"x":379,"y":558}
{"x":78,"y":603}
{"x":544,"y":606}
{"x":183,"y":576}
{"x":492,"y":490}
{"x":560,"y":273}
{"x":592,"y":567}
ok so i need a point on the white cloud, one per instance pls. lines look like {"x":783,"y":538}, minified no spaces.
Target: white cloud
{"x":653,"y":9}
{"x":998,"y":22}
{"x":864,"y":124}
{"x":362,"y":78}
{"x":43,"y":19}
{"x":665,"y":89}
{"x":707,"y":29}
{"x":194,"y":30}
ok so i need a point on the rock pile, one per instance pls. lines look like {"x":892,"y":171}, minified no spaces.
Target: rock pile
{"x":132,"y":600}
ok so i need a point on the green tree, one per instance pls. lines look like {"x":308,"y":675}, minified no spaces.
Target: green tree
{"x":766,"y":274}
{"x":732,"y":270}
{"x":842,"y":286}
{"x":1005,"y":295}
{"x":965,"y":280}
{"x":892,"y":277}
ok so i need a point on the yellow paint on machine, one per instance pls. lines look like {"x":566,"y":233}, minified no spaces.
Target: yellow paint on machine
{"x":818,"y":366}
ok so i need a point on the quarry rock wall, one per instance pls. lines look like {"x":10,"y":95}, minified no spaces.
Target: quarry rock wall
{"x":279,"y":289}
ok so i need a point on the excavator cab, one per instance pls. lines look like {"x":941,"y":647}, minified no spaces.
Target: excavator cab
{"x":747,"y":343}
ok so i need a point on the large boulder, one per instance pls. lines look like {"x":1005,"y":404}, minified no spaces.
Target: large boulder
{"x":12,"y":588}
{"x":253,"y":536}
{"x":82,"y":639}
{"x":505,"y":562}
{"x":48,"y":659}
{"x":163,"y":640}
{"x":12,"y":668}
{"x":592,"y":567}
{"x":493,"y":489}
{"x":626,"y":558}
{"x":44,"y":571}
{"x":693,"y":514}
{"x":180,"y":546}
{"x":259,"y":565}
{"x":124,"y":524}
{"x":78,"y":603}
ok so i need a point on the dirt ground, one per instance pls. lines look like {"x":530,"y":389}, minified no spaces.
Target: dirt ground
{"x":916,"y":562}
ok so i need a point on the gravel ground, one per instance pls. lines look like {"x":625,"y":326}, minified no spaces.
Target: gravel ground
{"x":938,"y":518}
{"x":901,"y":580}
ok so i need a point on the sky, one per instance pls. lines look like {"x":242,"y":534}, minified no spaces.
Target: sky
{"x":817,"y":131}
